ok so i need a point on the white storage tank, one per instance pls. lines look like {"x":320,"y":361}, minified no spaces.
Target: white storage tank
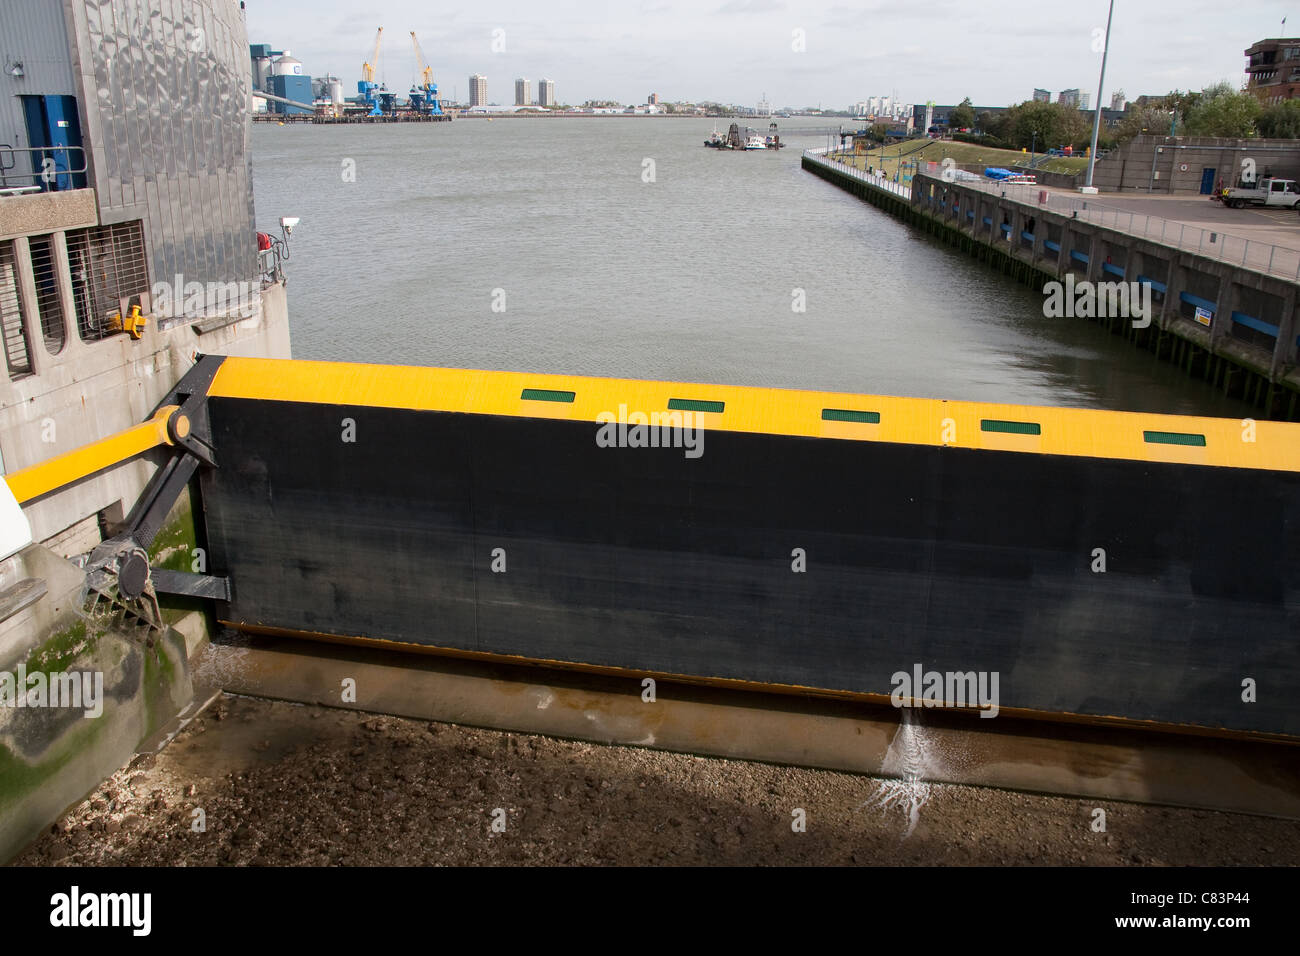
{"x":286,"y":66}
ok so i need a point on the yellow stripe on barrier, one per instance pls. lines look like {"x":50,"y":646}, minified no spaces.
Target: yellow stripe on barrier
{"x":61,"y":470}
{"x":1089,"y":433}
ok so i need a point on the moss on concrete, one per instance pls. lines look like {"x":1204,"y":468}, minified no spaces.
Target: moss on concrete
{"x":159,"y":676}
{"x":173,"y":549}
{"x":18,"y":778}
{"x":63,"y":647}
{"x":173,"y":546}
{"x":156,"y":696}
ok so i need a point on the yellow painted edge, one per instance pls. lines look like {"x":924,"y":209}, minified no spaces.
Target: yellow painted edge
{"x":1089,"y":433}
{"x":61,"y":470}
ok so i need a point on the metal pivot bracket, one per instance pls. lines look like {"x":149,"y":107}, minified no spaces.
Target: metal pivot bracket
{"x":117,"y":570}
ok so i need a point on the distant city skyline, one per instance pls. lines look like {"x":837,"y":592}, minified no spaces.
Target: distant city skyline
{"x":798,"y":53}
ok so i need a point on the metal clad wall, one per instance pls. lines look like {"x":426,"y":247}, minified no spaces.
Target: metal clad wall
{"x":952,"y":558}
{"x":167,"y":85}
{"x":33,"y":33}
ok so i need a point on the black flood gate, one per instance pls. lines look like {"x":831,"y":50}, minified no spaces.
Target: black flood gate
{"x":1067,"y":585}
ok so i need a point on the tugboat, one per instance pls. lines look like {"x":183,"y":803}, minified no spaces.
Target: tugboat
{"x":751,"y":140}
{"x":732,"y":140}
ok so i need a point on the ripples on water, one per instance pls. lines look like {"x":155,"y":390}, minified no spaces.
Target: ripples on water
{"x":688,"y":278}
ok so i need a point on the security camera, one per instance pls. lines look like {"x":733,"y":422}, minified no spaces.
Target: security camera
{"x":287,"y":223}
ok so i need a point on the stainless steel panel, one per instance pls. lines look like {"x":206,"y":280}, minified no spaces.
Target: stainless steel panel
{"x":171,"y":126}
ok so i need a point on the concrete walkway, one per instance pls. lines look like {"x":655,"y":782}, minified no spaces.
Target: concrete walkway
{"x":1280,"y":227}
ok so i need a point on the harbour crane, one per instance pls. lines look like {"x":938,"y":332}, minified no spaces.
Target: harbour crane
{"x":424,"y":98}
{"x":367,"y":86}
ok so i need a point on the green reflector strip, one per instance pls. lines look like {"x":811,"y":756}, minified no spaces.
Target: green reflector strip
{"x":694,"y":405}
{"x":546,"y":395}
{"x":846,"y":415}
{"x":1015,"y":428}
{"x":1174,"y":438}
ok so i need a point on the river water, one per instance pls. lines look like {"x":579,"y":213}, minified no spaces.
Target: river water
{"x":412,"y":233}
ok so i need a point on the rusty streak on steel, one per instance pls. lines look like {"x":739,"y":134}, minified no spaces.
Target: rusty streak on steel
{"x":768,"y":689}
{"x":1105,"y":763}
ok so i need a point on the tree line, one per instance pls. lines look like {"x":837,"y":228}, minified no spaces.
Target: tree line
{"x":1218,"y":110}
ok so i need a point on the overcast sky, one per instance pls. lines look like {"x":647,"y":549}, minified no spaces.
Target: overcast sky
{"x":737,"y":50}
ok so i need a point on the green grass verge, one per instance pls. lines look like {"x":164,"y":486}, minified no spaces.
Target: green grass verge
{"x":966,"y":154}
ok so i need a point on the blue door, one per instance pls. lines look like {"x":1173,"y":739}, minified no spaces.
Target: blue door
{"x":54,"y":127}
{"x":1207,"y":180}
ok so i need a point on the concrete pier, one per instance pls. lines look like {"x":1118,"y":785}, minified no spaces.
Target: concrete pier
{"x":112,"y":281}
{"x":1227,"y":316}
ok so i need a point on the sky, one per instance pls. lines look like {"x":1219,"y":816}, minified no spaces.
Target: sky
{"x":735,"y":51}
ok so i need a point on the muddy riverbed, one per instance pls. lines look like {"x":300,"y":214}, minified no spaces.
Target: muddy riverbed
{"x":258,"y":782}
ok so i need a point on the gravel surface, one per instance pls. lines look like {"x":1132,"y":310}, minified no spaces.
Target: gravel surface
{"x":286,"y":784}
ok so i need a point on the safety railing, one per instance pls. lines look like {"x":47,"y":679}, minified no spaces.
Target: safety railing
{"x":878,"y":180}
{"x":1253,"y":254}
{"x":27,"y":169}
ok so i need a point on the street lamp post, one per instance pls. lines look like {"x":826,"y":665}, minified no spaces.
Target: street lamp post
{"x":1101,"y":86}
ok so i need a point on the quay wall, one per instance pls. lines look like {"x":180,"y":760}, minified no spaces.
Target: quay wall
{"x":1249,"y":348}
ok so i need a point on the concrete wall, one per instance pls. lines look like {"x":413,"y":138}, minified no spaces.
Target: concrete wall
{"x":52,"y":757}
{"x":38,"y":213}
{"x":93,"y":389}
{"x":163,"y":99}
{"x":163,"y":96}
{"x":1229,"y":288}
{"x":1130,"y":166}
{"x":1241,"y":299}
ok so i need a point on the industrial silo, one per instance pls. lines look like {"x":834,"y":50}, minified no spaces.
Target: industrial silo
{"x":328,"y":89}
{"x":286,"y":65}
{"x":260,"y":54}
{"x":288,"y":81}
